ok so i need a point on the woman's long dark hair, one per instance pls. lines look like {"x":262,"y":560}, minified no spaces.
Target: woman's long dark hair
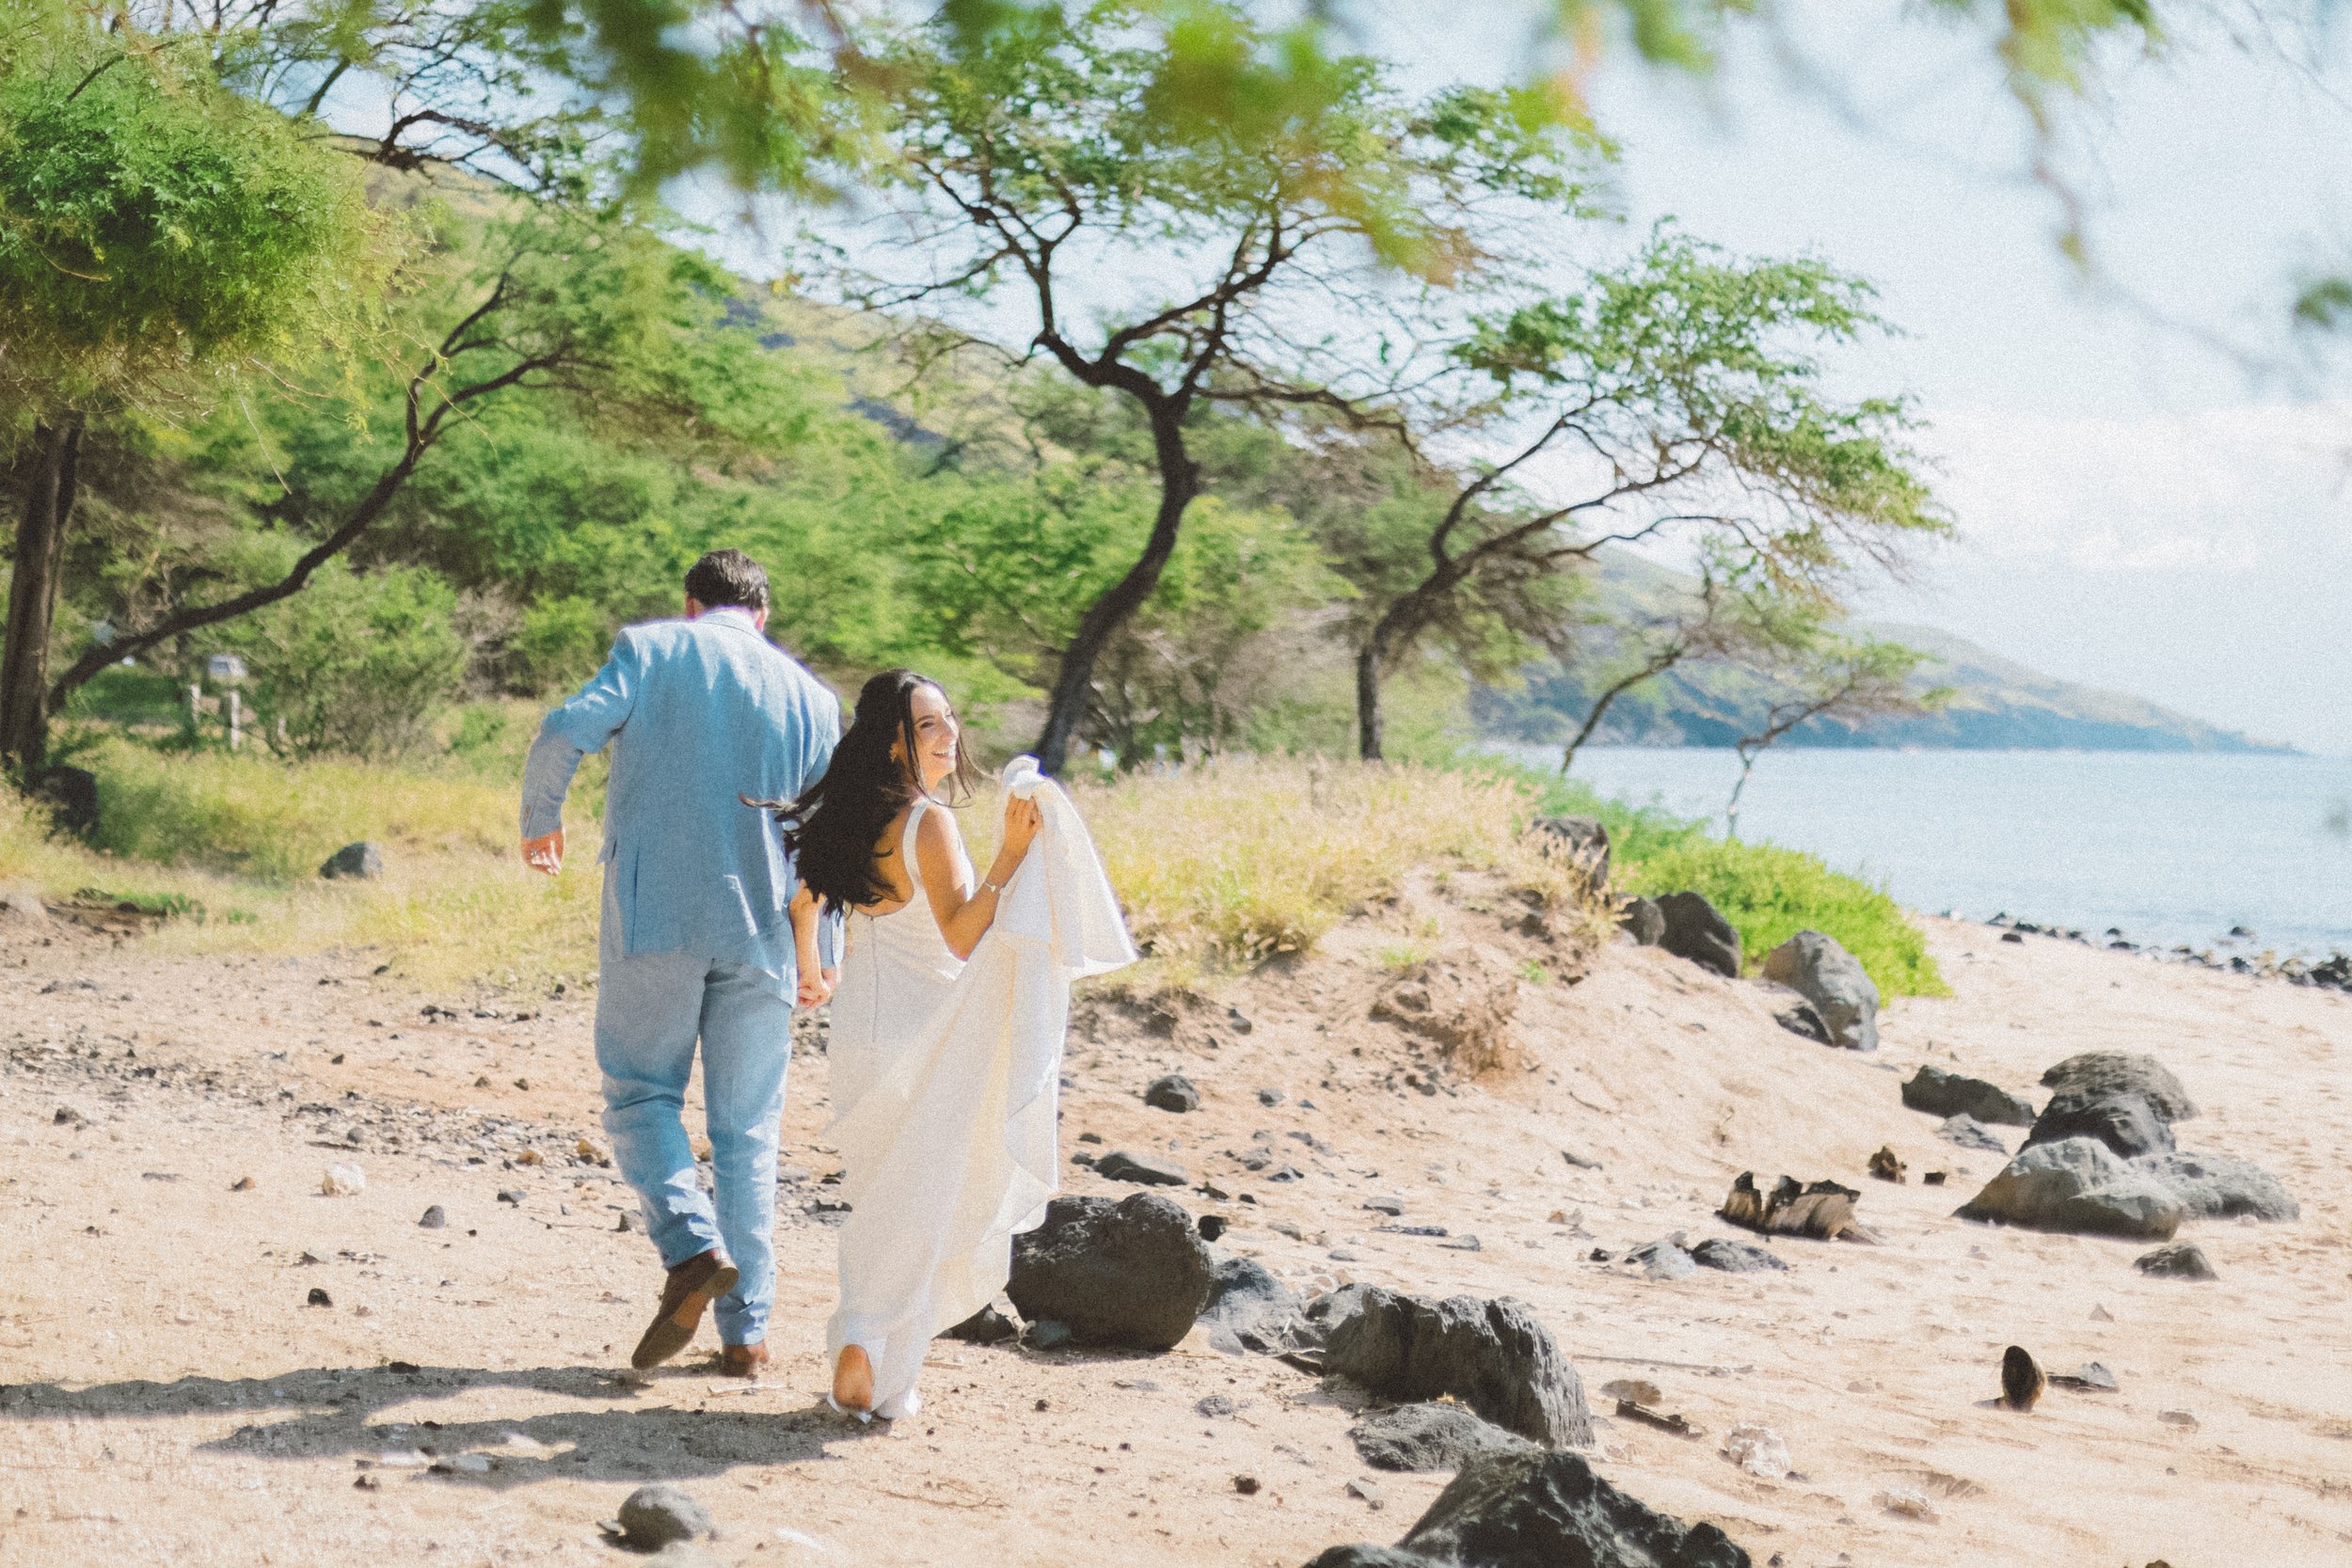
{"x":832,"y":828}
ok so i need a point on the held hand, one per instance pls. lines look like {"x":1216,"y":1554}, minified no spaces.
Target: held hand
{"x":545,"y":854}
{"x":812,"y":991}
{"x":1022,"y":818}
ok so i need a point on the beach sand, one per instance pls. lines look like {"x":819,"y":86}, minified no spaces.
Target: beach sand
{"x":168,"y":1396}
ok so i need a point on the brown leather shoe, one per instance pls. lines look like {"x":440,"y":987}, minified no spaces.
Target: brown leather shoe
{"x":744,"y":1360}
{"x":691,"y":1286}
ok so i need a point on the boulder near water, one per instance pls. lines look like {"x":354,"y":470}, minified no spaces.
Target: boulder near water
{"x":1494,"y":1356}
{"x":2126,"y":1100}
{"x":1542,"y":1510}
{"x":1696,"y":931}
{"x":1951,"y":1094}
{"x":1133,"y":1274}
{"x":2078,"y":1185}
{"x":1818,"y":968}
{"x":2215,"y":1186}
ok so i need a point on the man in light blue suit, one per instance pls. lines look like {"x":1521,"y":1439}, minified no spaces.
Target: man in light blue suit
{"x":695,"y":938}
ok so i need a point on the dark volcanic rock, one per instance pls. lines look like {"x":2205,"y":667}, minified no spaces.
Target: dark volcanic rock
{"x":2078,"y":1185}
{"x":2214,"y":1186}
{"x":1542,"y":1510}
{"x":2127,"y":1101}
{"x":1644,"y":920}
{"x":1967,"y":1132}
{"x":1430,"y":1437}
{"x":363,"y":859}
{"x":1120,"y":1165}
{"x":1696,"y":932}
{"x":1493,"y":1356}
{"x":2126,"y":1123}
{"x":1132,"y":1273}
{"x":1581,"y":841}
{"x":1172,"y":1093}
{"x":1799,"y":1016}
{"x":987,"y":1326}
{"x":1720,"y":1252}
{"x":2093,"y":1074}
{"x":654,"y":1517}
{"x":1824,"y":974}
{"x":1950,"y":1093}
{"x":1257,"y":1310}
{"x":2181,"y":1261}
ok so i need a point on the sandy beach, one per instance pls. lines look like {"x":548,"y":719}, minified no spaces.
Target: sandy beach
{"x":168,"y":1392}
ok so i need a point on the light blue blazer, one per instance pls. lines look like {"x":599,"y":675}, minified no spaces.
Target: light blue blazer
{"x":698,"y":713}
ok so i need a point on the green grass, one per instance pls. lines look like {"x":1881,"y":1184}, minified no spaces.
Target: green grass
{"x":1768,"y":893}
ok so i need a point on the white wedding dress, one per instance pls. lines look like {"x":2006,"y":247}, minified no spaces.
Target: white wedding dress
{"x":945,"y":1080}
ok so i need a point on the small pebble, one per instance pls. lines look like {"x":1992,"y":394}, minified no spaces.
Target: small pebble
{"x":433,"y":1219}
{"x":344,"y":1180}
{"x":1245,"y":1486}
{"x":319,"y":1297}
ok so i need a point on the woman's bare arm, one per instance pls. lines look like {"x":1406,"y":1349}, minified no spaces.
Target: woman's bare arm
{"x":964,"y":913}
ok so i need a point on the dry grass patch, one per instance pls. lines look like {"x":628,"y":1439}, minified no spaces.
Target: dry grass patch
{"x":1234,"y":861}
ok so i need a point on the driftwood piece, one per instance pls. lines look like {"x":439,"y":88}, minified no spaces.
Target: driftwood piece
{"x":1821,"y":1210}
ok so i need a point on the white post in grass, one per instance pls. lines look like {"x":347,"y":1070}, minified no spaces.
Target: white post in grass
{"x":236,"y":719}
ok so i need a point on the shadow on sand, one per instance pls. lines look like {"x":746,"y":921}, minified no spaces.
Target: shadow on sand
{"x":332,"y":1411}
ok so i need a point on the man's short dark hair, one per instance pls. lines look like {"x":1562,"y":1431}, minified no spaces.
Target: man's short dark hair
{"x":728,"y":578}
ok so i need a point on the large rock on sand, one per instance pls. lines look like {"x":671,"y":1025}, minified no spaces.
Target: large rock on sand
{"x":1951,"y":1094}
{"x":1132,"y":1273}
{"x":1430,"y":1437}
{"x":1542,"y":1510}
{"x":1493,"y":1356}
{"x":1695,"y":931}
{"x":1258,"y":1310}
{"x":2127,"y":1101}
{"x":2215,"y":1187}
{"x":2078,"y":1186}
{"x":1824,"y":974}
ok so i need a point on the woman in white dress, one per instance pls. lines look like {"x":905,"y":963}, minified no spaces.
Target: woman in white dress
{"x":871,"y":837}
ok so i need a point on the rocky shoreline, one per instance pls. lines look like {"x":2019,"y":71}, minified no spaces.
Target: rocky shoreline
{"x":2333,"y":971}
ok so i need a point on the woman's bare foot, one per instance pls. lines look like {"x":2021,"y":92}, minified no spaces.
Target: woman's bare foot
{"x":853,"y":1379}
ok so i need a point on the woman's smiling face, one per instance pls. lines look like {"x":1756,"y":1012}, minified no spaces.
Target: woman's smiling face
{"x":936,"y":735}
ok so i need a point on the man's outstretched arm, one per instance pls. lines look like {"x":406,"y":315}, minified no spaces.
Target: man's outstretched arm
{"x":584,"y":724}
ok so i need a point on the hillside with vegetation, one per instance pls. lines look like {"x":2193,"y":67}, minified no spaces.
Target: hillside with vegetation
{"x":1988,"y":702}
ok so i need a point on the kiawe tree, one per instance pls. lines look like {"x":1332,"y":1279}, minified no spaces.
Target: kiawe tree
{"x":1055,"y":182}
{"x":1678,"y":394}
{"x":157,"y":234}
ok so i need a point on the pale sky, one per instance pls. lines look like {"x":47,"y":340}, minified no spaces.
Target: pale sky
{"x":2136,"y":509}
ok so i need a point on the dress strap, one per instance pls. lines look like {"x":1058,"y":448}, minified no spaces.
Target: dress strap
{"x":906,"y":846}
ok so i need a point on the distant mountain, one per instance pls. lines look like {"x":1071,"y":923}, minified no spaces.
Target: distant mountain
{"x":1997,"y":704}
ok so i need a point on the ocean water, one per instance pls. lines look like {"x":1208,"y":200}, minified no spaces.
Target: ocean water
{"x":2169,"y":847}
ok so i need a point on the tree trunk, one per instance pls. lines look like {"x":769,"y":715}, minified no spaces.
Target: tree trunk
{"x":1074,"y":684}
{"x":1368,"y":736}
{"x":47,"y":479}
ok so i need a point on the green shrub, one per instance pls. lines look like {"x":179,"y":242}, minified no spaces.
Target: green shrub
{"x":1768,"y":893}
{"x":356,"y":664}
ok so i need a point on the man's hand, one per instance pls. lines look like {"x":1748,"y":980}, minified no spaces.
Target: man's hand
{"x":545,"y":854}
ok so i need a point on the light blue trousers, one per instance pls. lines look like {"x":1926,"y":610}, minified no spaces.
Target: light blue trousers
{"x":651,"y":1009}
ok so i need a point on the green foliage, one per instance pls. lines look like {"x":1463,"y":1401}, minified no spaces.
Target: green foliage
{"x":353,"y":664}
{"x":156,"y":224}
{"x":1768,"y":893}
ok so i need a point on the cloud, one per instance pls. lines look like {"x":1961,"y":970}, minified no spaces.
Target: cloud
{"x":2241,"y":490}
